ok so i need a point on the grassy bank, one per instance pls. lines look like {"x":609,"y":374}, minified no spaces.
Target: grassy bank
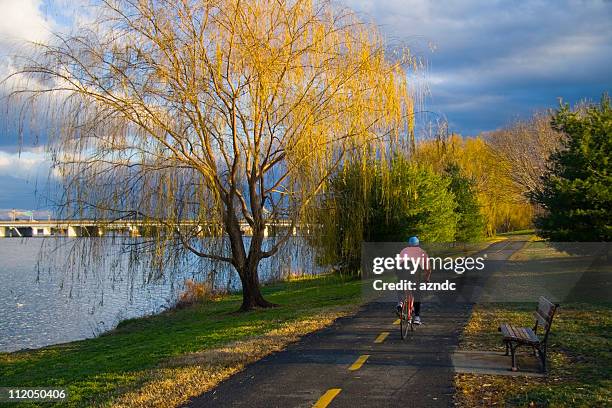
{"x":580,"y":357}
{"x":167,"y":358}
{"x":517,"y":232}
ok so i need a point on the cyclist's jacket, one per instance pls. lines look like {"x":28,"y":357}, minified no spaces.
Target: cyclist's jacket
{"x":416,"y":257}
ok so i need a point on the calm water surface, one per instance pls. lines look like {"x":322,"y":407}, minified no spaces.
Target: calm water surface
{"x":43,"y":301}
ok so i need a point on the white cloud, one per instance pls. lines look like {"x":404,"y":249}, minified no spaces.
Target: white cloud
{"x":23,"y":20}
{"x":26,"y":181}
{"x":25,"y":166}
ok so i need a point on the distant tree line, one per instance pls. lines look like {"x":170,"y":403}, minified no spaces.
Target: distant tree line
{"x":551,"y":171}
{"x":391,"y":202}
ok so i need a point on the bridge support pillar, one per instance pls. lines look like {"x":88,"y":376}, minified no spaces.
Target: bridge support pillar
{"x":41,"y":232}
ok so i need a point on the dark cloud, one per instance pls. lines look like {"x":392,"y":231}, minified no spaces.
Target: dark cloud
{"x":488,"y":62}
{"x":18,"y":193}
{"x":492,"y":61}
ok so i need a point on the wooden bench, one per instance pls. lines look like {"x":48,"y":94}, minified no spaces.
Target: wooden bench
{"x":526,"y":336}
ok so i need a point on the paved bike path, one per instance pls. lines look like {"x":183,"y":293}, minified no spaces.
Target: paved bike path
{"x":416,"y":372}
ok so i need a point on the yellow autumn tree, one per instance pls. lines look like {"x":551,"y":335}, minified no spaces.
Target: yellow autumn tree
{"x":502,"y":203}
{"x":203,"y":115}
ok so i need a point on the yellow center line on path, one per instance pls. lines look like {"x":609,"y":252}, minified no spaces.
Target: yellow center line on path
{"x":381,"y":337}
{"x":327,"y":398}
{"x":397,"y":321}
{"x":359,"y":362}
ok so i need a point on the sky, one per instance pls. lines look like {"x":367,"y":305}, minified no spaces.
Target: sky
{"x":486,"y":63}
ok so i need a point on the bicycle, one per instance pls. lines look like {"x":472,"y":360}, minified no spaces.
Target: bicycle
{"x":406,"y":316}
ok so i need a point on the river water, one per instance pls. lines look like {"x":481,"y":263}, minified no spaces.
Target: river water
{"x":47,"y":296}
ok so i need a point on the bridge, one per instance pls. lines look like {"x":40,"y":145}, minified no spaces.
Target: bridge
{"x":134,"y":228}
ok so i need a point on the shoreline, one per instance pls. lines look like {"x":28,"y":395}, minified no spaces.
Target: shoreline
{"x":175,"y":306}
{"x":129,"y":360}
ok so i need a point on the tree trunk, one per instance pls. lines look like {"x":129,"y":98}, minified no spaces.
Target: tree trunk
{"x":246,"y":264}
{"x":251,"y":293}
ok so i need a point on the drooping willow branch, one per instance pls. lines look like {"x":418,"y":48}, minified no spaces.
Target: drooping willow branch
{"x":216,"y":112}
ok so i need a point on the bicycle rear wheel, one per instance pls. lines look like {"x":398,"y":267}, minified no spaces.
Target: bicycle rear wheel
{"x":407,"y":328}
{"x":405,"y":322}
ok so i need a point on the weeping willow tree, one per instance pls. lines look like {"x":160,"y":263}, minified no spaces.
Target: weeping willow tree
{"x":384,"y":201}
{"x":201,"y":116}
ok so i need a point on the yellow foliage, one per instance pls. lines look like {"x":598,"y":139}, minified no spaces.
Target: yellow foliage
{"x":235,"y":110}
{"x":502,"y":203}
{"x":194,"y":292}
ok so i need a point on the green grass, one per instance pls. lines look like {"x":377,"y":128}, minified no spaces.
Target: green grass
{"x":96,"y":370}
{"x":580,"y":357}
{"x":580,"y":352}
{"x":538,"y":250}
{"x":518,"y":232}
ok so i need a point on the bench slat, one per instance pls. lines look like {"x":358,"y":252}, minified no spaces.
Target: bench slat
{"x":531,"y":335}
{"x":519,"y":334}
{"x":505,"y":329}
{"x":515,"y":336}
{"x":542,"y":321}
{"x":511,"y":331}
{"x":545,"y":308}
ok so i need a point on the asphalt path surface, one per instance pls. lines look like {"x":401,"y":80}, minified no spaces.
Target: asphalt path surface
{"x":359,"y":361}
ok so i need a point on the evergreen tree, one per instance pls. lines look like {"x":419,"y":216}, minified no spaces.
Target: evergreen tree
{"x":369,"y":204}
{"x":470,"y":222}
{"x":419,"y":203}
{"x":576,"y":192}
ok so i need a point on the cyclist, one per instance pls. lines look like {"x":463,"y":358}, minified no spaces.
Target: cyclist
{"x":415,"y":252}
